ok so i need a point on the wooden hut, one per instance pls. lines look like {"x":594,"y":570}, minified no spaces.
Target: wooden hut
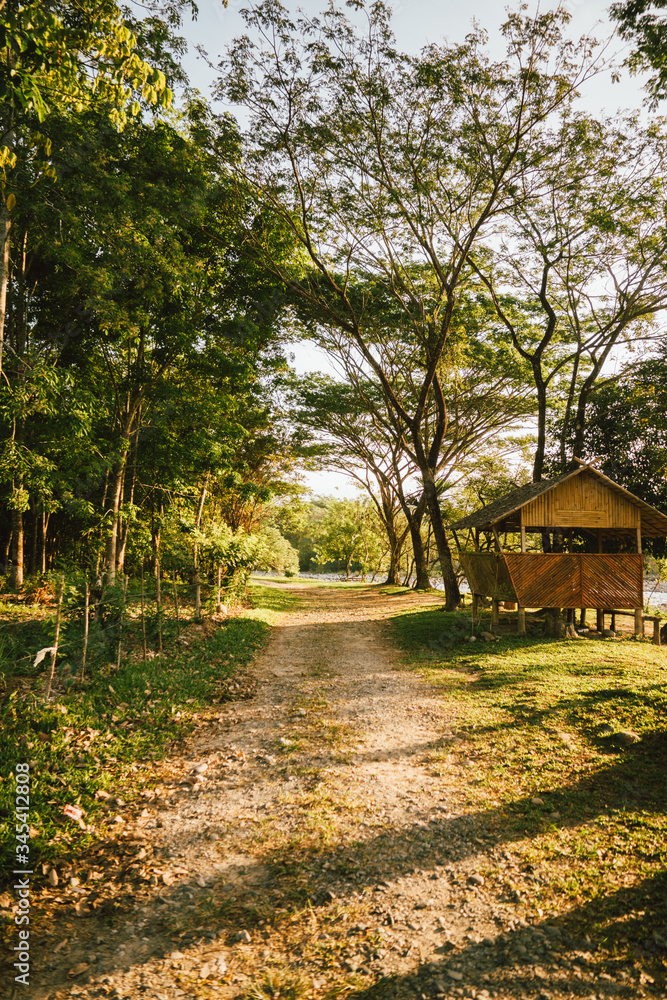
{"x":592,"y":513}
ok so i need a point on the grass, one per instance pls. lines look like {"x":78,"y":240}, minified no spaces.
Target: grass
{"x":535,"y":730}
{"x":106,"y":733}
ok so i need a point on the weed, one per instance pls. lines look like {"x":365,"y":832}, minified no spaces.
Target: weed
{"x":282,"y":985}
{"x":105,"y":733}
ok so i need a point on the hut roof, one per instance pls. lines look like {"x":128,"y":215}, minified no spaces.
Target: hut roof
{"x":654,"y":523}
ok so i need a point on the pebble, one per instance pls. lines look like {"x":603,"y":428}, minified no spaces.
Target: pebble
{"x":625,"y":737}
{"x":476,"y":879}
{"x":537,"y":801}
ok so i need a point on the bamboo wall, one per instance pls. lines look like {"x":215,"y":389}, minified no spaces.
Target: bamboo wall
{"x":581,"y":502}
{"x":557,"y":580}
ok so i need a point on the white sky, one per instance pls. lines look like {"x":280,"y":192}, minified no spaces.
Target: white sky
{"x":416,"y":23}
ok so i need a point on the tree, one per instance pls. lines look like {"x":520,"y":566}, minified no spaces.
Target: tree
{"x":393,"y":168}
{"x":57,"y":56}
{"x":580,"y":264}
{"x":350,"y":531}
{"x":134,"y":293}
{"x":627,"y":432}
{"x":639,"y":22}
{"x":357,"y":443}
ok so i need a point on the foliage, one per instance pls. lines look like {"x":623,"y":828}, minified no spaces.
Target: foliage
{"x":640,"y":22}
{"x":580,"y":267}
{"x":627,"y":432}
{"x":277,"y":553}
{"x":388,"y":171}
{"x":350,"y":532}
{"x":93,"y":737}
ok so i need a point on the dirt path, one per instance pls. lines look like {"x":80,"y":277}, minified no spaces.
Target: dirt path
{"x":307,"y":836}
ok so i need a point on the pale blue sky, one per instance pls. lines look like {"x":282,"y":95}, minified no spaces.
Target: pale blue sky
{"x":416,"y":23}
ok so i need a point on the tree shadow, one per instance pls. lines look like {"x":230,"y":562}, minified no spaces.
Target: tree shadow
{"x":556,"y":956}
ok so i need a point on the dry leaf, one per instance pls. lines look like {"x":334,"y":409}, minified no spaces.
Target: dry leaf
{"x":79,"y":969}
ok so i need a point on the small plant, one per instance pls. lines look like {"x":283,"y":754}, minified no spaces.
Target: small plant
{"x":281,"y":985}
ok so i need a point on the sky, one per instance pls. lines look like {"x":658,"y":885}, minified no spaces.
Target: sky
{"x":416,"y":23}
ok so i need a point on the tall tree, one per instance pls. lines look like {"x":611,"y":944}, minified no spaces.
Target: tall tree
{"x":580,"y":263}
{"x":393,"y":167}
{"x":357,"y":443}
{"x":57,"y":56}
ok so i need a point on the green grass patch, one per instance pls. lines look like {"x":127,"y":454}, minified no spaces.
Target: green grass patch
{"x":536,"y":724}
{"x":107,"y":732}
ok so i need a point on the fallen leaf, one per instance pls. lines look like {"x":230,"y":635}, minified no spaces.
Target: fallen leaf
{"x":74,"y":812}
{"x":79,"y":969}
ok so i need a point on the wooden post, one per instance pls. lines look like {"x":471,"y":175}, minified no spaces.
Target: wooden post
{"x":496,"y":538}
{"x":639,"y":622}
{"x":476,"y":539}
{"x":612,"y":624}
{"x":495,"y":613}
{"x":178,"y":626}
{"x":86,"y":620}
{"x":521,"y":621}
{"x":657,"y":638}
{"x":120,"y":624}
{"x":582,"y":618}
{"x":158,"y":603}
{"x":523,"y":538}
{"x":54,"y":651}
{"x":475,"y":605}
{"x":600,"y":611}
{"x":143,"y":616}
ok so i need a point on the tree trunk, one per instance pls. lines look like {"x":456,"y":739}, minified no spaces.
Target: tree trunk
{"x":33,"y":542}
{"x":117,"y":481}
{"x":124,"y":526}
{"x":5,"y":234}
{"x":156,"y":569}
{"x":540,"y":449}
{"x":423,"y":580}
{"x":16,"y":574}
{"x":452,"y":592}
{"x":394,"y":571}
{"x":112,"y":540}
{"x":554,"y":626}
{"x":7,"y":552}
{"x":200,"y":511}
